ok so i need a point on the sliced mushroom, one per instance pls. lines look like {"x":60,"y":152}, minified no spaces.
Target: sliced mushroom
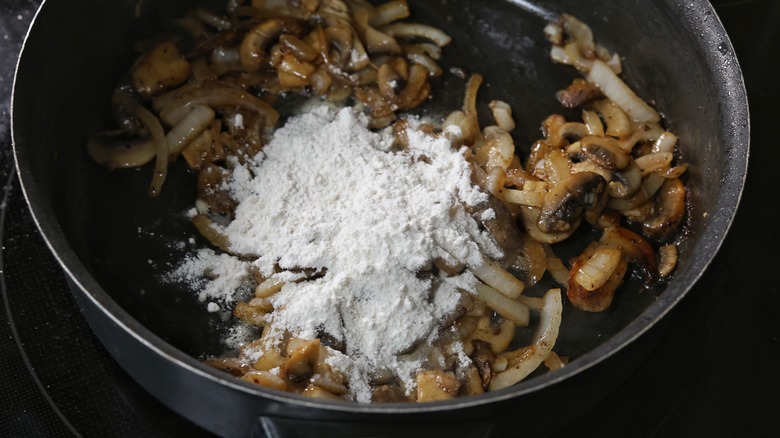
{"x":626,"y":182}
{"x":341,"y":37}
{"x":573,"y":131}
{"x":159,"y":70}
{"x":635,"y":248}
{"x":578,"y":93}
{"x":483,"y":358}
{"x":564,"y":204}
{"x":530,"y":217}
{"x":301,"y":360}
{"x":114,"y":149}
{"x":435,"y":385}
{"x":123,"y":104}
{"x":212,"y":189}
{"x":669,"y":208}
{"x":605,"y":152}
{"x":520,"y":253}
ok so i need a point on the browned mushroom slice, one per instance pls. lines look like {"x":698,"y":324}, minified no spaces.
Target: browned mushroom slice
{"x":435,"y":385}
{"x":161,"y":69}
{"x":578,"y":93}
{"x":669,"y":208}
{"x":565,"y":202}
{"x":626,"y":182}
{"x":269,"y":360}
{"x":530,"y":217}
{"x":605,"y":152}
{"x":115,"y":149}
{"x":472,"y":382}
{"x":483,"y":358}
{"x":520,"y":253}
{"x":635,"y":248}
{"x":302,"y":359}
{"x":211,"y":189}
{"x":573,"y":131}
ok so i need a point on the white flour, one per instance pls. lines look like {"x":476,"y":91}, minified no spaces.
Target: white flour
{"x":327,"y":193}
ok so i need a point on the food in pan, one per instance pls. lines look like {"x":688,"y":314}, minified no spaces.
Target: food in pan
{"x":382,"y":256}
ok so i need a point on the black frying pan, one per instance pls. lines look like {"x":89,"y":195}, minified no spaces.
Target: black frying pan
{"x":114,"y":241}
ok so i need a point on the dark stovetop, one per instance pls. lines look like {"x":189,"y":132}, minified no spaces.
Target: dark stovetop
{"x":712,"y":373}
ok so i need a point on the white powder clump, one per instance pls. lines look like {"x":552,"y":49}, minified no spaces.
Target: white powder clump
{"x":212,"y":307}
{"x":214,"y":276}
{"x":488,"y":214}
{"x":329,"y":194}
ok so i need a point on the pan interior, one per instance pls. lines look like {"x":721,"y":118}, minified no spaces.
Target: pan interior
{"x":127,"y":241}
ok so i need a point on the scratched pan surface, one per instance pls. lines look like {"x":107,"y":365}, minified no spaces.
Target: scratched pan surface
{"x":115,"y":242}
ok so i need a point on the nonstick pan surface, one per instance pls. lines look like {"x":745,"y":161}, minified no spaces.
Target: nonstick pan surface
{"x":114,"y":241}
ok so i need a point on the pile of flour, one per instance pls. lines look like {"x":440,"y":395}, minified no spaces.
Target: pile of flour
{"x":329,"y":194}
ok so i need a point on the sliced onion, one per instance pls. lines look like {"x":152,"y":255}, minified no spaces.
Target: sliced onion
{"x":391,"y":11}
{"x":647,"y":189}
{"x":620,"y":93}
{"x":658,"y":161}
{"x":498,"y":278}
{"x":189,"y":127}
{"x":426,"y":61}
{"x":597,"y":270}
{"x":665,"y":142}
{"x":499,"y":149}
{"x":217,"y":96}
{"x":580,"y":33}
{"x":667,"y":259}
{"x":502,"y":112}
{"x":416,"y":30}
{"x":510,"y":309}
{"x":590,"y":166}
{"x":554,"y":33}
{"x":555,"y":266}
{"x":160,"y":142}
{"x":544,"y":340}
{"x":524,"y":197}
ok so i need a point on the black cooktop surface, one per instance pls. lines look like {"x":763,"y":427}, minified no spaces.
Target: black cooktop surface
{"x":713,"y":371}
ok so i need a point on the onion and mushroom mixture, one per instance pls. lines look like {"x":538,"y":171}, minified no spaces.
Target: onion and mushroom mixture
{"x":212,"y":92}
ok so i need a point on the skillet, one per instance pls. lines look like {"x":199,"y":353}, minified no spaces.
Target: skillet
{"x":113,"y":241}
